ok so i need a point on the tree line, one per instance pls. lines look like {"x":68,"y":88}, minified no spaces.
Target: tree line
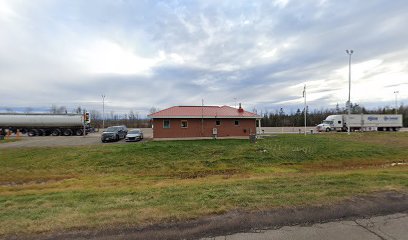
{"x":131,"y":119}
{"x":280,"y":118}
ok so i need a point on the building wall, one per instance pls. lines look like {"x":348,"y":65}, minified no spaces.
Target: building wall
{"x":227,"y":128}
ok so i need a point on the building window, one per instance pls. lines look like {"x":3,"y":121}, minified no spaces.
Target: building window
{"x":166,"y":123}
{"x":184,"y":123}
{"x":217,"y":122}
{"x":236,"y":123}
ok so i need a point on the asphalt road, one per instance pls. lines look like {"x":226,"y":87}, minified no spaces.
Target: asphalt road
{"x":389,"y":227}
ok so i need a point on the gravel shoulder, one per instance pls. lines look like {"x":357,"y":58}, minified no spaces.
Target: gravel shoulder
{"x":358,"y":207}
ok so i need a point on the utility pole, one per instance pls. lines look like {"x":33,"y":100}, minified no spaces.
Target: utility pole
{"x":103,"y":111}
{"x":349,"y":52}
{"x":84,"y":116}
{"x":202,"y":117}
{"x":396,"y":101}
{"x":304,"y":95}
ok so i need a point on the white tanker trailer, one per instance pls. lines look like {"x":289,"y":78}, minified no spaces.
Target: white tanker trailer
{"x":42,"y":124}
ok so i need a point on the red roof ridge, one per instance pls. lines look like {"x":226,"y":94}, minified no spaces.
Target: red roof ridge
{"x":161,"y":110}
{"x":197,"y":106}
{"x":206,"y":111}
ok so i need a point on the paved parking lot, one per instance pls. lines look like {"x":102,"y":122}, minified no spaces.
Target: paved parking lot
{"x":51,"y":141}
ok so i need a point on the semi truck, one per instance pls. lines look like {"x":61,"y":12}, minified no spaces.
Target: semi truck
{"x":361,"y":122}
{"x":43,"y":124}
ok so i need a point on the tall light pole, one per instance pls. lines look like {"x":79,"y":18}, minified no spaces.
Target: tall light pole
{"x":396,"y":101}
{"x":304,"y":95}
{"x":103,"y":111}
{"x":349,"y":52}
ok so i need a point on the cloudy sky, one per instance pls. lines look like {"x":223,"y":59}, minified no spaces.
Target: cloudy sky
{"x":143,"y":53}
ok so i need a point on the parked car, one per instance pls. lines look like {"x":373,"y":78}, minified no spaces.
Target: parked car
{"x":134,"y":135}
{"x":114,"y":133}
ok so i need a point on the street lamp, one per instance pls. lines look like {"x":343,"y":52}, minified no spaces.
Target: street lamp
{"x":304,"y":96}
{"x":349,"y":52}
{"x":396,"y":101}
{"x":103,"y":111}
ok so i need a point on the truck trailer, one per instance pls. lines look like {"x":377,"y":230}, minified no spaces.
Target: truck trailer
{"x":43,"y":124}
{"x":361,"y":122}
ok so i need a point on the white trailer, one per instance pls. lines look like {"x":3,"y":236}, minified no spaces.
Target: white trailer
{"x":45,"y":124}
{"x":361,"y":122}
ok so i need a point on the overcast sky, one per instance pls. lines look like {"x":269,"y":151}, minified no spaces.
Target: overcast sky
{"x":142,"y":54}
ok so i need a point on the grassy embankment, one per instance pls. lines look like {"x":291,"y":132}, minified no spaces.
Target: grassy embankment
{"x":8,"y":140}
{"x":53,"y":189}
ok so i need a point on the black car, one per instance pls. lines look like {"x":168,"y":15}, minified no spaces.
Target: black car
{"x":114,"y":133}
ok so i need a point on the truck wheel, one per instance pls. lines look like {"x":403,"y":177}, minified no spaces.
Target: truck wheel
{"x":327,"y":129}
{"x":79,"y":132}
{"x":67,"y":132}
{"x":56,"y":132}
{"x":32,"y":133}
{"x":41,"y":132}
{"x":117,"y":137}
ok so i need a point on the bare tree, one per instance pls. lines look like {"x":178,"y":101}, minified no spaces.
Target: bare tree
{"x":78,"y":110}
{"x":62,"y":110}
{"x":53,"y":109}
{"x":28,"y":110}
{"x":153,"y":110}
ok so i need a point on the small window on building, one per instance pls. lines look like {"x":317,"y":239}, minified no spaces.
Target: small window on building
{"x":217,"y":122}
{"x":184,"y":123}
{"x":339,"y":122}
{"x":166,"y":123}
{"x":236,"y":123}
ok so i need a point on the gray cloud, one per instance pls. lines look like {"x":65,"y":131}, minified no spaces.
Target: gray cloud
{"x":164,"y":53}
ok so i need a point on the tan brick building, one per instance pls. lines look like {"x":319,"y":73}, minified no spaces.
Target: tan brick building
{"x":203,"y":121}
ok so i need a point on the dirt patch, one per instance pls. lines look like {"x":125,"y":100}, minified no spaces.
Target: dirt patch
{"x":35,"y":182}
{"x":380,"y":203}
{"x":226,"y":173}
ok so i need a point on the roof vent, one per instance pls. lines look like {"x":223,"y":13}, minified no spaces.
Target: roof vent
{"x":240,"y":109}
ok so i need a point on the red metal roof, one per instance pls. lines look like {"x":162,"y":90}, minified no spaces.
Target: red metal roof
{"x":202,"y":111}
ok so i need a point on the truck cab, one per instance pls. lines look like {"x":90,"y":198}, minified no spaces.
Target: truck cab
{"x":331,"y":123}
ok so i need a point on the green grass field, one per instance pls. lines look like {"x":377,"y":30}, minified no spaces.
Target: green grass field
{"x":101,"y":186}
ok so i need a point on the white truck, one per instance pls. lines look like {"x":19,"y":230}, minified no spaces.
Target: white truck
{"x":43,"y":124}
{"x":361,"y":122}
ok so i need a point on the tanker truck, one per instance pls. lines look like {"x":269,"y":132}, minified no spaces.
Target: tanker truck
{"x":361,"y":122}
{"x":42,"y":124}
